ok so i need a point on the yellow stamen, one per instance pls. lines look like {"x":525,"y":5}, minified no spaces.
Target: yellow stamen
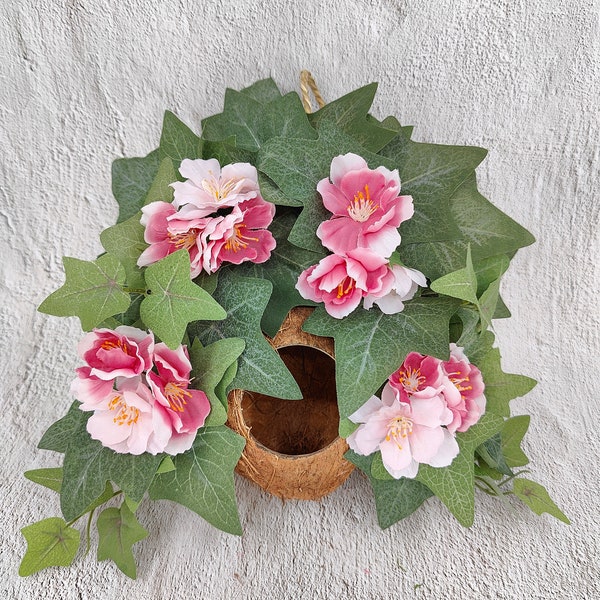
{"x":398,"y":429}
{"x":126,"y":415}
{"x":176,"y":395}
{"x":362,"y":207}
{"x":236,"y":241}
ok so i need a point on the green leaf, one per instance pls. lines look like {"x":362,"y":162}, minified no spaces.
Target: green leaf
{"x":253,"y":123}
{"x":395,"y":499}
{"x":166,"y":465}
{"x":226,"y":152}
{"x":209,"y":366}
{"x":512,"y":435}
{"x":263,"y":91}
{"x":92,"y":291}
{"x":177,"y":140}
{"x":131,"y":180}
{"x":174,"y":301}
{"x":59,"y":434}
{"x":118,"y":531}
{"x":491,"y":452}
{"x":50,"y":543}
{"x":260,"y":368}
{"x":271,"y":193}
{"x":488,"y":302}
{"x":370,"y":345}
{"x":125,"y":241}
{"x":489,"y":270}
{"x":282,"y":270}
{"x":500,"y":387}
{"x":537,"y":498}
{"x":378,"y":469}
{"x":225,"y":385}
{"x":50,"y":478}
{"x":161,"y":190}
{"x":459,"y":284}
{"x":203,"y":479}
{"x":454,"y":485}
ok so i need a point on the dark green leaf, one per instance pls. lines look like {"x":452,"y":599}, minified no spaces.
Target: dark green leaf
{"x":59,"y":434}
{"x":161,"y":190}
{"x":263,"y":91}
{"x":491,"y":452}
{"x":177,"y":140}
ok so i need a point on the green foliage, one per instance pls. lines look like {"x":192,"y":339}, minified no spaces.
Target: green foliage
{"x":491,"y":452}
{"x":50,"y":543}
{"x":203,"y":479}
{"x":161,"y":190}
{"x":178,"y":141}
{"x":174,"y":300}
{"x":92,"y":291}
{"x":263,"y":91}
{"x":50,"y":478}
{"x":260,"y":368}
{"x":460,"y":284}
{"x":513,"y":432}
{"x":118,"y":531}
{"x":537,"y":499}
{"x":370,"y":345}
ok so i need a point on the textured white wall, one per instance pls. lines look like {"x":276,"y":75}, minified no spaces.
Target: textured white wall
{"x":84,"y":82}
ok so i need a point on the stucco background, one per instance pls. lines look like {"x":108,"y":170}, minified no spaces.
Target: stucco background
{"x":82,"y":83}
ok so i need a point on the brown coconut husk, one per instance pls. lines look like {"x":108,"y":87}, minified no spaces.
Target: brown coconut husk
{"x":293,"y":450}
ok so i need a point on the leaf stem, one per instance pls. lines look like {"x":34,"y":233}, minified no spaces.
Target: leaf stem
{"x":129,"y":290}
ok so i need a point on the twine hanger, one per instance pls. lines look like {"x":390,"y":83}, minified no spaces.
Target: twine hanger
{"x":308,"y":85}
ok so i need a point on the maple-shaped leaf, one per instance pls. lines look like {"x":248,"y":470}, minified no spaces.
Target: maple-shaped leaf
{"x":92,"y":291}
{"x":118,"y":531}
{"x":263,"y":91}
{"x":455,"y":485}
{"x":161,"y":190}
{"x":260,"y":368}
{"x":177,"y":140}
{"x":370,"y":346}
{"x":174,"y":300}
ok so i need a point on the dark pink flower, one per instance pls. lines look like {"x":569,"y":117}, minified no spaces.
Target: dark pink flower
{"x":418,"y":376}
{"x":366,"y":205}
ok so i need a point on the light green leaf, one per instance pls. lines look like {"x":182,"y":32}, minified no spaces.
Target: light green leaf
{"x":118,"y":531}
{"x":174,"y":301}
{"x":131,"y":180}
{"x":491,"y":452}
{"x":512,"y":435}
{"x":92,"y":291}
{"x":203,"y":479}
{"x":537,"y":498}
{"x":369,"y":345}
{"x":177,"y":140}
{"x":50,"y":478}
{"x":225,"y":385}
{"x":161,"y":190}
{"x":488,"y":302}
{"x":378,"y":469}
{"x":260,"y":368}
{"x":50,"y":543}
{"x":459,"y":284}
{"x":166,"y":465}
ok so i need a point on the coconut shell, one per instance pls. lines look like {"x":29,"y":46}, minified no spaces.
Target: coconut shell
{"x":293,"y":450}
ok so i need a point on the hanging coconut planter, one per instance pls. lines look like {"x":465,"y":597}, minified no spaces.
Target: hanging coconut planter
{"x":293,"y":450}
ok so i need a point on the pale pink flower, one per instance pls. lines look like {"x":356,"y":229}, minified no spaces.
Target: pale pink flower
{"x":186,"y":408}
{"x":406,"y":283}
{"x":208,"y":187}
{"x":122,"y":352}
{"x":366,"y":205}
{"x":341,"y":282}
{"x":407,"y":434}
{"x":131,"y":421}
{"x":418,"y":376}
{"x":463,"y":390}
{"x":89,"y":389}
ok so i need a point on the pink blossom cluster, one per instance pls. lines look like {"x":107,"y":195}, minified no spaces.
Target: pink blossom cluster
{"x":217,"y":215}
{"x":422,"y":407}
{"x":362,"y":233}
{"x":139,"y":392}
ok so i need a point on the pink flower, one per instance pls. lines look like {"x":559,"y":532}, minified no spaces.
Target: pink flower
{"x":366,"y":207}
{"x":130,"y":421}
{"x":239,"y":236}
{"x":185,"y":408}
{"x":463,"y":390}
{"x":341,"y":282}
{"x":89,"y":389}
{"x":168,"y":231}
{"x":406,"y":283}
{"x":418,"y":377}
{"x":407,"y":434}
{"x":209,"y":188}
{"x":124,"y":352}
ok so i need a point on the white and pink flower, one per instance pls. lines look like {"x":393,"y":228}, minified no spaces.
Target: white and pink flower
{"x":366,"y":205}
{"x":406,"y":283}
{"x":418,"y":376}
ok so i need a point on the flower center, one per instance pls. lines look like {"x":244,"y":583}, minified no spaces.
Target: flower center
{"x":345,"y":286}
{"x":398,"y":429}
{"x":112,"y":344}
{"x":458,"y":378}
{"x":176,"y":395}
{"x":184,"y":240}
{"x":220,"y":190}
{"x":362,"y":207}
{"x":126,"y":415}
{"x":411,"y":379}
{"x":237,"y":239}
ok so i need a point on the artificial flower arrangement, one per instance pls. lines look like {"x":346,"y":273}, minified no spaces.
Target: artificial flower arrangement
{"x":218,"y":237}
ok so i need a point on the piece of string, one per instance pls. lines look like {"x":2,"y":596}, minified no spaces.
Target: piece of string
{"x":308,"y":85}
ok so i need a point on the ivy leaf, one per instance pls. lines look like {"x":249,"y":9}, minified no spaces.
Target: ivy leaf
{"x":50,"y":543}
{"x":209,"y":366}
{"x":161,"y":190}
{"x":50,"y":478}
{"x":118,"y":531}
{"x":282,"y":270}
{"x":488,"y":302}
{"x":174,"y":300}
{"x":537,"y":498}
{"x":500,"y":387}
{"x":125,"y":241}
{"x":491,"y":452}
{"x":131,"y":180}
{"x":260,"y":368}
{"x":459,"y":284}
{"x":489,"y":270}
{"x":370,"y":345}
{"x":263,"y":91}
{"x":226,"y":152}
{"x":512,"y":435}
{"x":203,"y":479}
{"x":454,"y":485}
{"x":177,"y":140}
{"x":395,"y":499}
{"x":59,"y":434}
{"x":92,"y":291}
{"x":225,"y":385}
